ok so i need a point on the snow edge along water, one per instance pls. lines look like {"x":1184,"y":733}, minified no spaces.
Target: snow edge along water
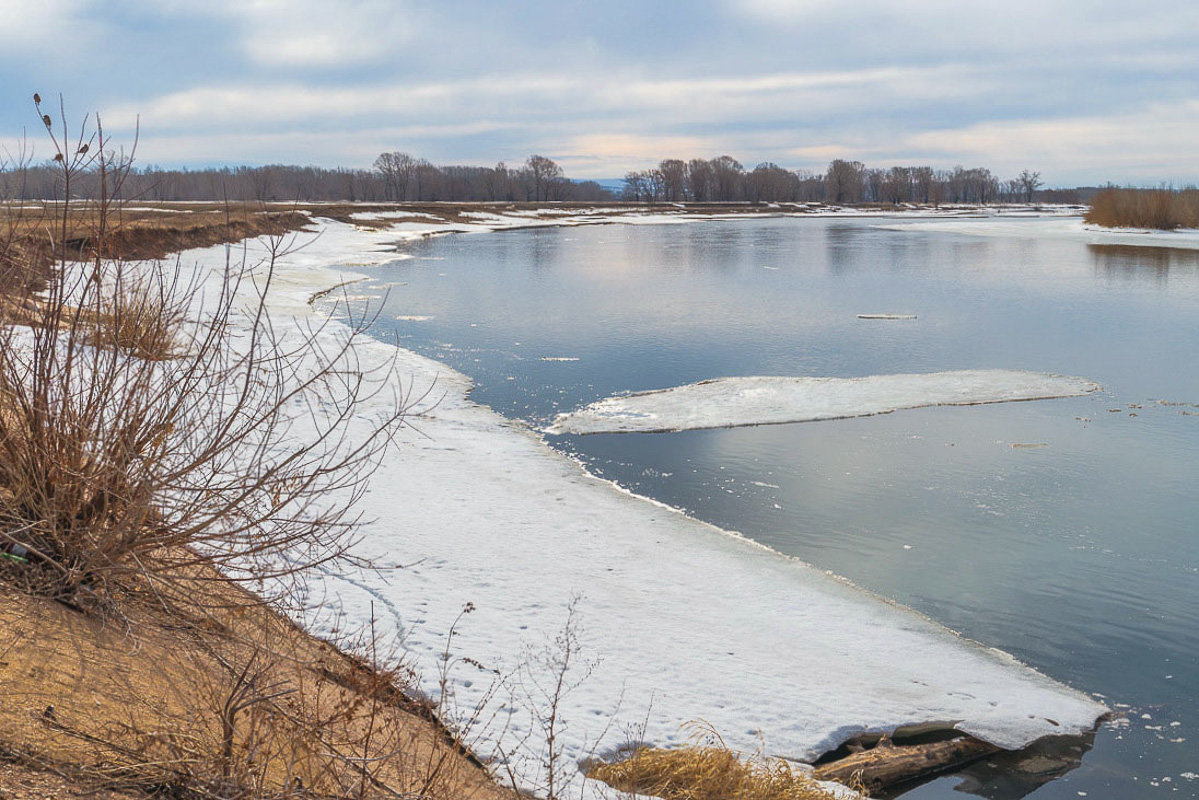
{"x":810,"y":608}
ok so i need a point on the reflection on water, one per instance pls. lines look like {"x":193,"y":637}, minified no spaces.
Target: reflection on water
{"x":1012,"y":776}
{"x":1000,"y":776}
{"x":1079,"y":557}
{"x":1135,"y":263}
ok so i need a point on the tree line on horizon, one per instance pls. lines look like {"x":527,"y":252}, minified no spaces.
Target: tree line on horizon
{"x":724,"y":179}
{"x":399,"y":177}
{"x":395,"y":177}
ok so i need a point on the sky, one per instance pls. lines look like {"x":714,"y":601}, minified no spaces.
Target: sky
{"x":1084,"y":92}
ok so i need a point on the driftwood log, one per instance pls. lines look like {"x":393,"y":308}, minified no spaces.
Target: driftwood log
{"x":888,"y":764}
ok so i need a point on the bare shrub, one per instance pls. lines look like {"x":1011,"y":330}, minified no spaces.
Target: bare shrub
{"x":352,"y":733}
{"x":540,"y":686}
{"x":138,"y":315}
{"x":244,"y":451}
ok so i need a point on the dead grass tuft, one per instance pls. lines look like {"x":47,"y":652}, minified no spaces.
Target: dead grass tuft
{"x":137,"y":319}
{"x":708,"y":770}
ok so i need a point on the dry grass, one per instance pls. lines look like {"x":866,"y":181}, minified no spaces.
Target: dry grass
{"x":1161,"y":209}
{"x":31,"y":237}
{"x":137,"y":319}
{"x":22,"y":779}
{"x":239,"y":703}
{"x":708,"y":770}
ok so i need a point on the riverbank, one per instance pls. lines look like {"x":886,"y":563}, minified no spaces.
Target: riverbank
{"x":483,"y":512}
{"x":480,"y":503}
{"x":99,"y":707}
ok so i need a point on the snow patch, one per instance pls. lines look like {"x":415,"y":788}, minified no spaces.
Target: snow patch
{"x":1059,"y":227}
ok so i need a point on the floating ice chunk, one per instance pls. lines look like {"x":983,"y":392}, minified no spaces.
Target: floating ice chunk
{"x":733,"y":402}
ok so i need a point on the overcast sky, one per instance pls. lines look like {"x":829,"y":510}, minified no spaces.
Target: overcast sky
{"x":1083,"y":91}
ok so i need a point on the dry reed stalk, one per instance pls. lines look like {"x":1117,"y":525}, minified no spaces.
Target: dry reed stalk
{"x":1160,"y":209}
{"x":707,"y":769}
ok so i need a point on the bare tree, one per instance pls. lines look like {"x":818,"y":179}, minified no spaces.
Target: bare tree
{"x":1029,"y":183}
{"x":872,"y":181}
{"x":545,"y":174}
{"x":699,"y":179}
{"x":728,"y":177}
{"x":497,"y":183}
{"x":635,"y":188}
{"x":923,"y":179}
{"x":844,"y":181}
{"x":396,"y":169}
{"x":674,"y":179}
{"x":897,"y":185}
{"x":770,"y":183}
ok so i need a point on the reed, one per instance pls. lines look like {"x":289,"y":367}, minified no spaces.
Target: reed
{"x":1159,"y":209}
{"x":708,"y":770}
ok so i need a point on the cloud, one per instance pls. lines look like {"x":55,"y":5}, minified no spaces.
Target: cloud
{"x":612,"y":154}
{"x":267,"y":105}
{"x":317,"y":33}
{"x":57,"y":28}
{"x":931,"y":30}
{"x":619,"y":86}
{"x":556,"y":98}
{"x":785,"y":11}
{"x":1155,"y":139}
{"x":344,"y":146}
{"x":305,"y":34}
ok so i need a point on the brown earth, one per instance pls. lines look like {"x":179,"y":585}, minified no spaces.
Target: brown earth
{"x":235,"y":701}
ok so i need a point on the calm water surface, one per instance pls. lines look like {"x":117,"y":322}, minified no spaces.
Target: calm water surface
{"x":1080,"y":556}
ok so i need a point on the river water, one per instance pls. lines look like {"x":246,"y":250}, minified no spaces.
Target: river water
{"x":1061,"y":531}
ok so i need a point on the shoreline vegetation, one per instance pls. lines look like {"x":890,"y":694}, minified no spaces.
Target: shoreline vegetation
{"x":158,"y":511}
{"x":141,"y":657}
{"x":1153,"y":209}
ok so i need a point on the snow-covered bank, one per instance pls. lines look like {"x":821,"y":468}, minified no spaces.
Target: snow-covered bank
{"x":678,"y":620}
{"x":733,"y":402}
{"x":1052,"y":227}
{"x":486,"y":218}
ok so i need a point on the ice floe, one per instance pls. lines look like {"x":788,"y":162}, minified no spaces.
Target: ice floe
{"x":733,"y":402}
